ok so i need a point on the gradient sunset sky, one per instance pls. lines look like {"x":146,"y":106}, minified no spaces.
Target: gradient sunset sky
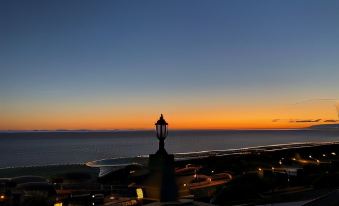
{"x":77,"y":64}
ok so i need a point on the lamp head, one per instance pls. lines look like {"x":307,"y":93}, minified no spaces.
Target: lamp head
{"x":161,"y":127}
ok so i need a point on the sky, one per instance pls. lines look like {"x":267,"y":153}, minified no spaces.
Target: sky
{"x":78,"y":64}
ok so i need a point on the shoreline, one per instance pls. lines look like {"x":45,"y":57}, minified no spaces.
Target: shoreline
{"x":47,"y":170}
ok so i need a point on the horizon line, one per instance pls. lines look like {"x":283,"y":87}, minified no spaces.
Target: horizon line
{"x":130,"y":130}
{"x":151,"y":129}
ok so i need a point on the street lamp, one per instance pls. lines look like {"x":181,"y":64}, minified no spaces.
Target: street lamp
{"x":161,"y":127}
{"x":161,"y":169}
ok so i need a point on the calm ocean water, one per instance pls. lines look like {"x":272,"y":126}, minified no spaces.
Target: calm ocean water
{"x":41,"y":148}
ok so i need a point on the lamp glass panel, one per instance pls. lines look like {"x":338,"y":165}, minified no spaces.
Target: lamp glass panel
{"x":158,"y":129}
{"x":164,"y":131}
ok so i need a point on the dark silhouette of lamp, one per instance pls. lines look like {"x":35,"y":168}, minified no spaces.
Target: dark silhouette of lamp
{"x":161,"y":127}
{"x":161,"y":183}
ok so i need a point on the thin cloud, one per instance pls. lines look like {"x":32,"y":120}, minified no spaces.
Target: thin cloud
{"x":331,"y":120}
{"x":305,"y":120}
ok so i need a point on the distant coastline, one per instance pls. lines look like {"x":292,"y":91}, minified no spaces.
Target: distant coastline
{"x":66,"y":130}
{"x":325,"y":126}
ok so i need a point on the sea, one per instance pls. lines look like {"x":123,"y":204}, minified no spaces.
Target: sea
{"x":19,"y":149}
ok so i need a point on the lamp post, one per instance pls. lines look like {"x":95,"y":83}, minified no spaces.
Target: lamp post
{"x":161,"y":127}
{"x":161,"y":166}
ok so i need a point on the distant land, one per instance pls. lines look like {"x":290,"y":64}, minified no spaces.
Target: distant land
{"x":63,"y":130}
{"x":325,"y":126}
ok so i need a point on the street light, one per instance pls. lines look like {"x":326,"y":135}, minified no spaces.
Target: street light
{"x":161,"y":127}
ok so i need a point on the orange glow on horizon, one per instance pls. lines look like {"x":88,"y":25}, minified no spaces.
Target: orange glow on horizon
{"x":107,"y":117}
{"x":147,"y":122}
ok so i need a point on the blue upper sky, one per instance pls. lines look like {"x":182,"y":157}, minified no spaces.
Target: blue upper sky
{"x":147,"y":52}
